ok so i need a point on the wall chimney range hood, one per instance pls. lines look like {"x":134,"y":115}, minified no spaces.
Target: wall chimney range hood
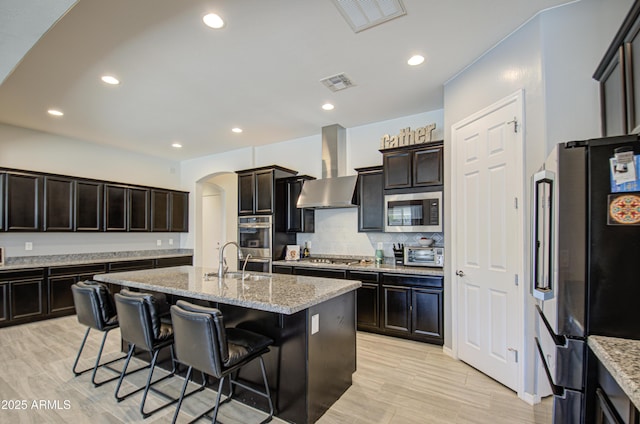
{"x":333,"y":190}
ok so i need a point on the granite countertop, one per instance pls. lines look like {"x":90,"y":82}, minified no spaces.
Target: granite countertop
{"x":90,"y":258}
{"x":279,"y":293}
{"x":368,"y":266}
{"x":621,"y":357}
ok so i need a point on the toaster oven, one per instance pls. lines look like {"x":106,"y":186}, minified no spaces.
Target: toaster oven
{"x":424,"y":256}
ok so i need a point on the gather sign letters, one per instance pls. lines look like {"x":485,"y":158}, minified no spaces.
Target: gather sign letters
{"x":406,"y":137}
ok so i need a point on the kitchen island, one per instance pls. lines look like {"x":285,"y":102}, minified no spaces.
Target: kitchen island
{"x":311,"y":320}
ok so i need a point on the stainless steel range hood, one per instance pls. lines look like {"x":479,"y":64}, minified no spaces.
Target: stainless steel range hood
{"x":334,"y":190}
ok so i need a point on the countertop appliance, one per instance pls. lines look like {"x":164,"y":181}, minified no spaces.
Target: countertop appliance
{"x":586,"y":240}
{"x":424,"y":256}
{"x":413,"y":212}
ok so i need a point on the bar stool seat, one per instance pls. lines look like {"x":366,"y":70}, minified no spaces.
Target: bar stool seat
{"x":202,"y":342}
{"x":142,"y":326}
{"x":95,"y":309}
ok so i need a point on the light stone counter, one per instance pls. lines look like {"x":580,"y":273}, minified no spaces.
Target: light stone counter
{"x":286,"y":294}
{"x":369,"y":266}
{"x":621,"y":357}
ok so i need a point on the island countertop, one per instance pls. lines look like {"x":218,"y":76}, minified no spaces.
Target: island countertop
{"x":286,"y":294}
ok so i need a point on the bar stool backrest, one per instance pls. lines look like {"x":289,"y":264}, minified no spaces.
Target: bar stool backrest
{"x":94,"y":305}
{"x":139,"y":318}
{"x":200,"y":337}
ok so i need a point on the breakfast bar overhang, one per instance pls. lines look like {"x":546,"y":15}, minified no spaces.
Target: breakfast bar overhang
{"x":311,"y":320}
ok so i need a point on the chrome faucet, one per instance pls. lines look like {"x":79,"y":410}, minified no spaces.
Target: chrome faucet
{"x":222,"y":262}
{"x":246,"y":258}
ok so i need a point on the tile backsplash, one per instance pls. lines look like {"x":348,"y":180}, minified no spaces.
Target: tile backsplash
{"x":336,"y":233}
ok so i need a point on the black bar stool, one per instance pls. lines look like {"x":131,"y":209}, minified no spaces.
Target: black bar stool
{"x":203,"y":343}
{"x":95,"y":309}
{"x":142,"y":326}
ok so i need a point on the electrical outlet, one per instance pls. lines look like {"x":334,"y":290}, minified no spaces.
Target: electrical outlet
{"x":159,"y":242}
{"x":28,"y":245}
{"x":170,"y":242}
{"x":315,"y":323}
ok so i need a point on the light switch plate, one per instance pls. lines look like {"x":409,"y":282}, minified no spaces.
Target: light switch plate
{"x":315,"y":323}
{"x":159,"y":242}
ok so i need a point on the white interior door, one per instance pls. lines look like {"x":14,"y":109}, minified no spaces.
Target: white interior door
{"x":488,"y":176}
{"x":212,"y":229}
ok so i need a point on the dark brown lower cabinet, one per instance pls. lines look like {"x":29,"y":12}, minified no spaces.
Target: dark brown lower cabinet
{"x":612,"y":405}
{"x":60,"y":298}
{"x":397,"y":309}
{"x":27,"y":299}
{"x":427,"y":314}
{"x":4,"y":306}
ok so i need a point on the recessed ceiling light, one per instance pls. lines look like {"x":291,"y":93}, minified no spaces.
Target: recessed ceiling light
{"x":415,"y":60}
{"x":176,"y":145}
{"x":236,"y":130}
{"x":213,"y":21}
{"x":327,"y":106}
{"x":55,"y":112}
{"x":110,"y":79}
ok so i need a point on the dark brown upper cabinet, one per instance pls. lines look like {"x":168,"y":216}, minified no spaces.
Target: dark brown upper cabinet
{"x":179,"y":211}
{"x":115,"y":207}
{"x":58,"y":203}
{"x":298,"y":220}
{"x":413,"y":166}
{"x":139,"y":209}
{"x":160,"y":218}
{"x":619,"y":76}
{"x":370,"y":196}
{"x":2,"y":178}
{"x":89,"y":200}
{"x":23,"y":201}
{"x":256,"y":189}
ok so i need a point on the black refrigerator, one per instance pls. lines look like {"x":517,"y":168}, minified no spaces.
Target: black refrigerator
{"x":585,"y":261}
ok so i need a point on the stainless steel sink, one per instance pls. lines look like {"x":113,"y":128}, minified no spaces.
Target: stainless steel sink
{"x":237,"y":275}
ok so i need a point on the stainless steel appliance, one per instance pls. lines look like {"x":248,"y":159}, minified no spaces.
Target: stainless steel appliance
{"x":413,"y":212}
{"x":586,"y":241}
{"x":255,"y":237}
{"x":424,"y":256}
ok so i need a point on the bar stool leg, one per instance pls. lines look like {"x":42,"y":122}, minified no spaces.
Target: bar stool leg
{"x":75,"y":364}
{"x":124,"y":370}
{"x":184,"y":389}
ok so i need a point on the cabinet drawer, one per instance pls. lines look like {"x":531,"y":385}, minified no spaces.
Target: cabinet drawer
{"x":364,"y":276}
{"x":177,"y":261}
{"x":326,"y":273}
{"x":413,"y":280}
{"x":282,"y":269}
{"x":21,"y":274}
{"x":131,"y":265}
{"x":77,"y":269}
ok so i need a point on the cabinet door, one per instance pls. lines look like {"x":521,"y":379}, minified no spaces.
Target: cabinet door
{"x":88,"y":206}
{"x":138,"y":209}
{"x":397,"y":169}
{"x":246,"y":188}
{"x":58,"y":204}
{"x":179,"y":211}
{"x":427,"y":167}
{"x":60,"y":295}
{"x":23,"y":202}
{"x":368,"y":297}
{"x":632,"y":81}
{"x":160,"y":210}
{"x":264,"y":192}
{"x":426,"y":313}
{"x":613,"y":98}
{"x":294,"y":215}
{"x":396,"y":307}
{"x":27,"y":299}
{"x":4,"y":306}
{"x":115,"y":207}
{"x":371,"y":201}
{"x":2,"y":179}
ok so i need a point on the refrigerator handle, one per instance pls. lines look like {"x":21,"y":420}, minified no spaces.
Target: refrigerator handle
{"x":557,"y":339}
{"x":555,"y":389}
{"x":542,"y":249}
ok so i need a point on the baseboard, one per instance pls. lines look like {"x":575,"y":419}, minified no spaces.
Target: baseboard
{"x":530,"y":398}
{"x":447,"y":351}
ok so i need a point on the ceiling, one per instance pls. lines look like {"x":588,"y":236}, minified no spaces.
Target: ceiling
{"x":184,"y":82}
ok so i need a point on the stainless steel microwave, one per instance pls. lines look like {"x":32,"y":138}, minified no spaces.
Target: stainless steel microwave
{"x":413,"y":212}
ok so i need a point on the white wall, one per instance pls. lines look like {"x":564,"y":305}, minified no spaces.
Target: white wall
{"x":551,"y":58}
{"x":38,"y":151}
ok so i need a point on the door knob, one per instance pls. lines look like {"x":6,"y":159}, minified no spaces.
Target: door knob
{"x":460,"y":273}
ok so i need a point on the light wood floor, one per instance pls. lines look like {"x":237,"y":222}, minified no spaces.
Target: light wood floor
{"x":397,"y":381}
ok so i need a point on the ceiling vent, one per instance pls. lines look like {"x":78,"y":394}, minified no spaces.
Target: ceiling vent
{"x":337,"y":82}
{"x":361,"y":15}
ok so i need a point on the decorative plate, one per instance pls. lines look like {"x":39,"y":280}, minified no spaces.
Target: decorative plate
{"x":624,"y":209}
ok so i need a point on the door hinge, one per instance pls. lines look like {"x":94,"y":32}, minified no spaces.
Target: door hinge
{"x":515,"y":202}
{"x":515,"y":280}
{"x":515,"y":124}
{"x":515,"y":353}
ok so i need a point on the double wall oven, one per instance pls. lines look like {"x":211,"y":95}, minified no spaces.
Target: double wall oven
{"x":255,"y":237}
